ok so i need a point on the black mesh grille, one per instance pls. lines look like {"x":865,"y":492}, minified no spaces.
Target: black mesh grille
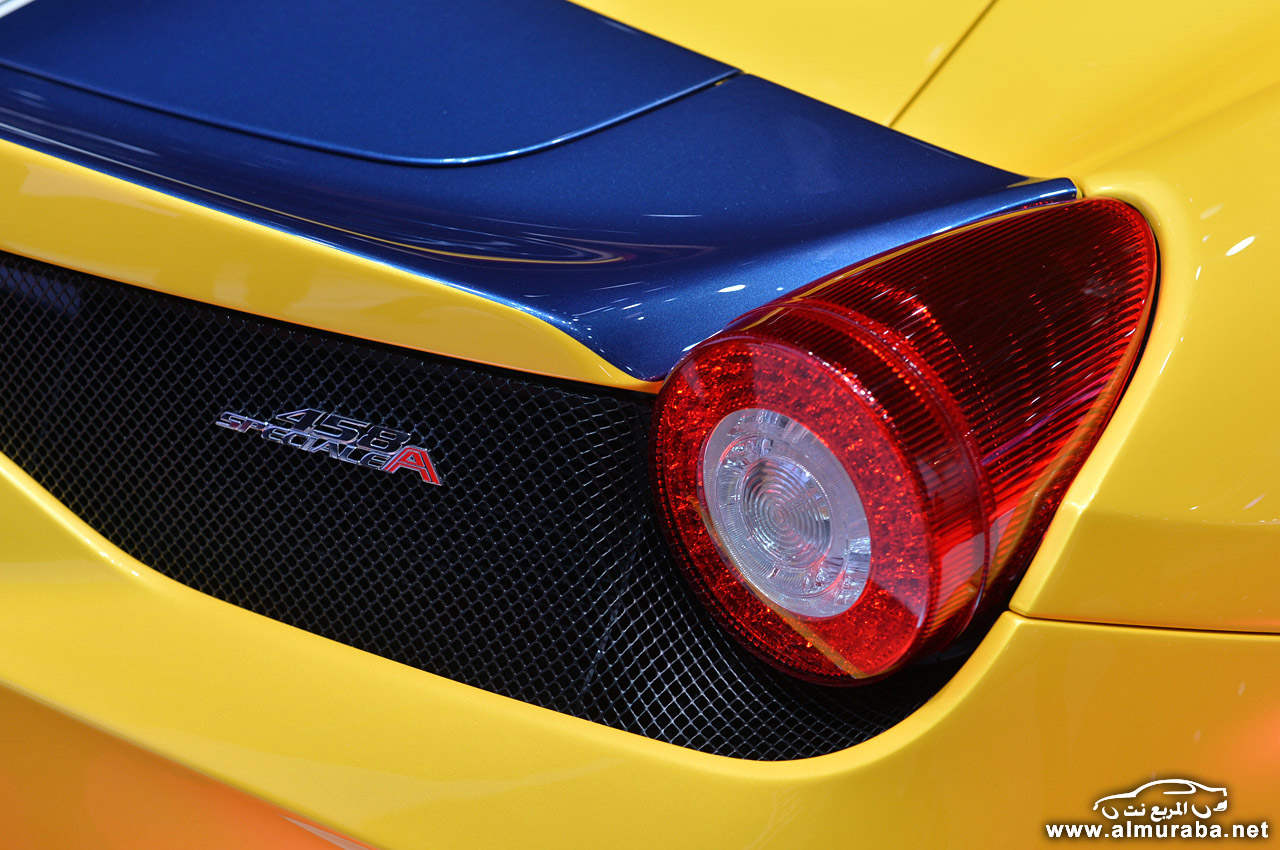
{"x":535,"y":571}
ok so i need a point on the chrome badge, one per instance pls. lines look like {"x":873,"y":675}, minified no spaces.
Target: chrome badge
{"x":341,"y":438}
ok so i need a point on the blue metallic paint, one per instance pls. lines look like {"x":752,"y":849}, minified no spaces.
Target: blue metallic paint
{"x":639,"y":241}
{"x":429,"y":83}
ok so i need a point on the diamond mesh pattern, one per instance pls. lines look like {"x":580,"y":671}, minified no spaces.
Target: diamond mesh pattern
{"x":536,"y":571}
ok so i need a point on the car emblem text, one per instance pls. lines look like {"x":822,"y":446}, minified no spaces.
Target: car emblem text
{"x":341,"y":438}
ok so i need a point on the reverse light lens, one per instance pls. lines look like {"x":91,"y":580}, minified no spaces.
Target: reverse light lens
{"x":784,"y":511}
{"x":852,"y":473}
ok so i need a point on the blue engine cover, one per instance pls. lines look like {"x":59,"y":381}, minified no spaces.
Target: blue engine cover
{"x":639,"y":240}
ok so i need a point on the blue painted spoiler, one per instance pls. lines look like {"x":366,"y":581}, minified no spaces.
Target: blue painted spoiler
{"x":639,"y":240}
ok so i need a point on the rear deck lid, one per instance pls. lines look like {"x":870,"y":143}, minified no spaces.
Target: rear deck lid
{"x":431,"y":83}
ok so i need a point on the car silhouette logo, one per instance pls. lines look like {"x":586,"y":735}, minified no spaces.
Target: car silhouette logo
{"x":1168,"y":798}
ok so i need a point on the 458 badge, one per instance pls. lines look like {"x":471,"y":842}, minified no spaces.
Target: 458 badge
{"x":341,"y":438}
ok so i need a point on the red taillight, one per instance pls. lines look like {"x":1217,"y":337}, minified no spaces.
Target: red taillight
{"x":849,"y":473}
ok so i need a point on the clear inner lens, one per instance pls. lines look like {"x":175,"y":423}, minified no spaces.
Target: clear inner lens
{"x":783,"y":510}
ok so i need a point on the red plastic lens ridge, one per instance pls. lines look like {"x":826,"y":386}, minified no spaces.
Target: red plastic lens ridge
{"x":851,"y":474}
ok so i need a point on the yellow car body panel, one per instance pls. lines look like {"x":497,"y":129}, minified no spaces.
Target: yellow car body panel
{"x":1042,"y":720}
{"x":864,"y":56}
{"x":1170,"y":523}
{"x":67,"y":786}
{"x":72,"y":216}
{"x":1046,"y":88}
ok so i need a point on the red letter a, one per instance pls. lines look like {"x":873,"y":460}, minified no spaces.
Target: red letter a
{"x":413,"y":457}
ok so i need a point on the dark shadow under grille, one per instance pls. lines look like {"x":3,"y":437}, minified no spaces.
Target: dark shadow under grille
{"x":536,"y":571}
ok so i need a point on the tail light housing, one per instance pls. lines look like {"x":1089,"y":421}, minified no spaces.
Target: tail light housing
{"x":851,"y":474}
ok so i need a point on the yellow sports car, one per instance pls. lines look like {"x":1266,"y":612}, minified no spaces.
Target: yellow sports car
{"x":638,"y":423}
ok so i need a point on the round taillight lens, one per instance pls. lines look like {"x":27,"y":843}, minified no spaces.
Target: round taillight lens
{"x":783,"y":509}
{"x":849,"y":473}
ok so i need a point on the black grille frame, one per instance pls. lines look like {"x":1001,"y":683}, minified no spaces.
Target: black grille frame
{"x":535,"y":571}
